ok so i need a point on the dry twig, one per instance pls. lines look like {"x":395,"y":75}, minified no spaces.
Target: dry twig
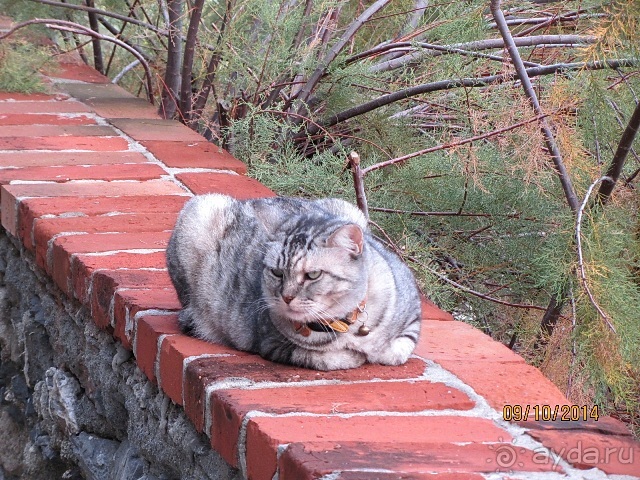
{"x":581,"y":270}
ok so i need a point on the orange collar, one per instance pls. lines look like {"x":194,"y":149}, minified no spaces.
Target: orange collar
{"x":338,"y":325}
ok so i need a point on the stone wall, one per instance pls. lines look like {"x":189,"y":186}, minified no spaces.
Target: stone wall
{"x":73,"y":404}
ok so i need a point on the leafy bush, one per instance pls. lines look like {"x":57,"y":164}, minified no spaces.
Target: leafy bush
{"x":19,"y":64}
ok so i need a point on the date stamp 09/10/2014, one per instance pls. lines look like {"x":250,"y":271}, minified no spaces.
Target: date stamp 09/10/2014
{"x":550,"y":413}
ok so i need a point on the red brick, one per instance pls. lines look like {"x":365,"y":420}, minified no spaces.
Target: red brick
{"x":97,"y":144}
{"x":406,"y":460}
{"x":24,"y":97}
{"x":111,"y":101}
{"x":136,"y":171}
{"x":134,"y":108}
{"x":459,"y":341}
{"x":194,"y":155}
{"x":506,"y":383}
{"x":149,"y":330}
{"x":44,"y":119}
{"x":94,"y":189}
{"x":106,"y":284}
{"x":613,"y":454}
{"x":56,"y":131}
{"x":430,"y":311}
{"x":65,"y":246}
{"x":203,"y":372}
{"x":369,"y":475}
{"x":229,"y":407}
{"x":101,"y":299}
{"x":45,"y":228}
{"x":155,"y":191}
{"x":127,"y":303}
{"x":24,"y":159}
{"x":78,"y":71}
{"x":156,"y":129}
{"x":30,"y":209}
{"x":139,"y":279}
{"x":8,"y":211}
{"x":237,"y":186}
{"x":67,"y":106}
{"x":265,"y":434}
{"x":91,"y":92}
{"x":173,"y":352}
{"x":604,"y":425}
{"x":83,"y":267}
{"x":410,"y":396}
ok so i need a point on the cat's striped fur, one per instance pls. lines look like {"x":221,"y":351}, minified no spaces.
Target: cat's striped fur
{"x":250,"y":273}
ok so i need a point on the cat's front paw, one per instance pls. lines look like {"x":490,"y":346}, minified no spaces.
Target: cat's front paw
{"x":331,"y":360}
{"x":398,"y":352}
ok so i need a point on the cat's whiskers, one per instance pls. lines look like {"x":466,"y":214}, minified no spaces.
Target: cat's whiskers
{"x":322,"y":316}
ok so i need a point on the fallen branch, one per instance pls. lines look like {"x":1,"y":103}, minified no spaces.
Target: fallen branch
{"x":415,"y":46}
{"x":466,"y":83}
{"x":532,"y":41}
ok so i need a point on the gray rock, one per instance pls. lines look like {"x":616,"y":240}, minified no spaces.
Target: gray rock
{"x":95,"y":456}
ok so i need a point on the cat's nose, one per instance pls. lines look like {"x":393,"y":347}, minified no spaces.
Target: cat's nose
{"x":287,"y":299}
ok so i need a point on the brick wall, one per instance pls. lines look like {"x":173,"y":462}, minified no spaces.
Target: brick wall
{"x":92,"y":181}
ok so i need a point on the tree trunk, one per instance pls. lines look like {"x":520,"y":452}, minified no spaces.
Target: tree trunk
{"x":170,"y":91}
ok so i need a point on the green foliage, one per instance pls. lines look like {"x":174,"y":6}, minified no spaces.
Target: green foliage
{"x":488,"y":217}
{"x":19,"y":64}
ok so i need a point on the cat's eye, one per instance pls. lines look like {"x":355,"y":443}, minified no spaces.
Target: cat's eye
{"x":277,"y":272}
{"x":313,"y":275}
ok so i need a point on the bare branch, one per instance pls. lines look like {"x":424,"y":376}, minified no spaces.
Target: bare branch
{"x":533,"y":41}
{"x":523,"y":75}
{"x":429,"y":214}
{"x":333,"y":52}
{"x":619,"y":158}
{"x":414,"y":46}
{"x":126,"y":69}
{"x":583,"y":275}
{"x":414,"y":17}
{"x":470,"y":291}
{"x":445,"y":146}
{"x":466,"y":83}
{"x":212,"y":68}
{"x":358,"y":183}
{"x":118,"y":34}
{"x":105,"y":13}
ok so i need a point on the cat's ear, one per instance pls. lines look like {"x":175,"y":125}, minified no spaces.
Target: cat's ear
{"x":349,"y":237}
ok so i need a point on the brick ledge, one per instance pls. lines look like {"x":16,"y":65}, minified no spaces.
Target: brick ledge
{"x":92,"y":181}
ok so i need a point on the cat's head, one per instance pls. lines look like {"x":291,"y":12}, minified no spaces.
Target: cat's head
{"x":314,"y":269}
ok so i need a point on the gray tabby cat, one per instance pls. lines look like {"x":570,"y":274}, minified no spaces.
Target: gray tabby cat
{"x":297,"y":281}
